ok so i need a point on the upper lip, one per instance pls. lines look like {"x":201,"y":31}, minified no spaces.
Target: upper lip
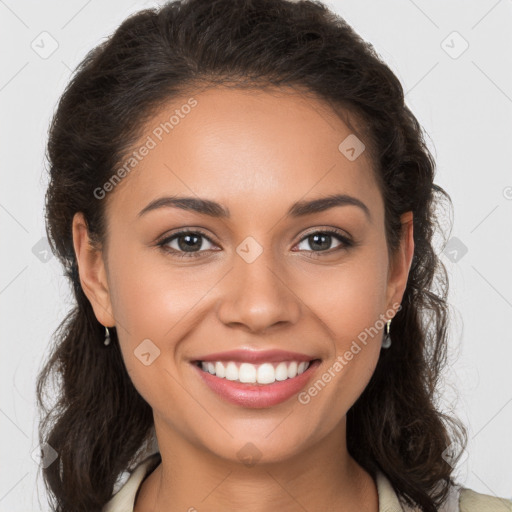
{"x":256,"y":356}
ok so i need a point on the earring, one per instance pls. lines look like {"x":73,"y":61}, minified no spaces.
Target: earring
{"x":386,"y":340}
{"x":107,"y":336}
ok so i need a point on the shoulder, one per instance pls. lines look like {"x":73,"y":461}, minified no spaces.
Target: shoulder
{"x":124,"y":499}
{"x":459,"y":499}
{"x":472,"y":501}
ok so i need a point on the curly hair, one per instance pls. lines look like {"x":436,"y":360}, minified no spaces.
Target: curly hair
{"x":98,"y":423}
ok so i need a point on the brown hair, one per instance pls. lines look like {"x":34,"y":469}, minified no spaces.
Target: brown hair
{"x":98,"y":423}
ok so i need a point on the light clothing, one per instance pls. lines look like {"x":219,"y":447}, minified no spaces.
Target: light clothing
{"x":460,"y":499}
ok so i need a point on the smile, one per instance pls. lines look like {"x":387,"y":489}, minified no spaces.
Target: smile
{"x":266,"y":373}
{"x":256,"y":386}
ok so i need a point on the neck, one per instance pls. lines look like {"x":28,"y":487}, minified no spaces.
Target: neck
{"x":322,"y":477}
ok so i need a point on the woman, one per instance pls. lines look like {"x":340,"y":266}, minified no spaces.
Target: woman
{"x":245,"y":208}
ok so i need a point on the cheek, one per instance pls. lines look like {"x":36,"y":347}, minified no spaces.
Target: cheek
{"x":150,"y":298}
{"x":152,"y":307}
{"x":352,"y":316}
{"x":157,"y":306}
{"x":350,"y":298}
{"x":350,"y":304}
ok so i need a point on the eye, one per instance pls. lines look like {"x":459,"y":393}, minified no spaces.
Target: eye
{"x":185,"y":244}
{"x":321,"y":240}
{"x":190,"y":244}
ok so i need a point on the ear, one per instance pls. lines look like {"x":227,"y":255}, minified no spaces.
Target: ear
{"x":401,"y":264}
{"x":92,"y":272}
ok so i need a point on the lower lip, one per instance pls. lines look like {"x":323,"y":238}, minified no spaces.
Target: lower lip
{"x":257,"y":395}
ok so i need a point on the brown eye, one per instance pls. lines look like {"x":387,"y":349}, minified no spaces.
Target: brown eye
{"x":186,"y":244}
{"x":321,"y":241}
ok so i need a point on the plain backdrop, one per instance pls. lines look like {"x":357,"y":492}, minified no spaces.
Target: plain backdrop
{"x":453,"y":59}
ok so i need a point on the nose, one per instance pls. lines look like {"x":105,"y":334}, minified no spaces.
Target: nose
{"x":258,"y":296}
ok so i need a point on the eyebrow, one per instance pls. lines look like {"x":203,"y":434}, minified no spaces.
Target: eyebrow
{"x":214,"y":209}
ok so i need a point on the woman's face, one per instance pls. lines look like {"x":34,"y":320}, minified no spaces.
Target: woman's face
{"x":255,"y":279}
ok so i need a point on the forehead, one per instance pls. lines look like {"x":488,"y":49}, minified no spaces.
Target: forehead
{"x":247,"y":147}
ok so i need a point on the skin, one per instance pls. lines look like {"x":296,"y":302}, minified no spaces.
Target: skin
{"x":256,"y":153}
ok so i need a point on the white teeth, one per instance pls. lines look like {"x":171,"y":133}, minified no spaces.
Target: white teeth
{"x":220,"y":370}
{"x":231,"y":371}
{"x":265,"y":373}
{"x":281,"y":371}
{"x":292,"y":369}
{"x":247,"y":373}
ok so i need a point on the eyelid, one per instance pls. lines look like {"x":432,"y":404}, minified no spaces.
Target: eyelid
{"x":346,"y":242}
{"x":181,"y":231}
{"x":327,"y":229}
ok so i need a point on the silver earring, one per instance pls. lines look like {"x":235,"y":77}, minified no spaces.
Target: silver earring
{"x":107,"y":336}
{"x":386,"y":340}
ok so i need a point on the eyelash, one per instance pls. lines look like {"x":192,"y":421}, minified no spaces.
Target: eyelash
{"x":346,"y":242}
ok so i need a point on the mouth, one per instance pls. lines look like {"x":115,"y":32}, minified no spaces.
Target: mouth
{"x":256,"y":374}
{"x":256,"y":385}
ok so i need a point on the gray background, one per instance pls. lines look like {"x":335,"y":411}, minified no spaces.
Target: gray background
{"x":463,"y":99}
